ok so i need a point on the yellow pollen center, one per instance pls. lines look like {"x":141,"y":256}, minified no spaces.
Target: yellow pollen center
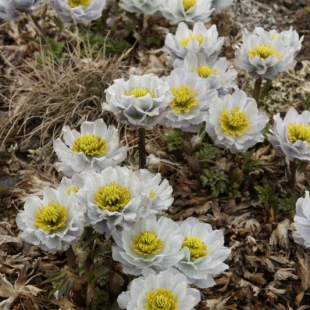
{"x":112,"y":197}
{"x":152,"y":194}
{"x":72,"y":189}
{"x":264,"y":51}
{"x":205,"y":71}
{"x":76,"y":3}
{"x":184,"y":99}
{"x":51,"y":216}
{"x":187,"y":4}
{"x":161,"y":299}
{"x":196,"y":247}
{"x":298,"y":131}
{"x":235,"y":123}
{"x":140,"y":92}
{"x":273,"y":35}
{"x":146,"y":243}
{"x":90,"y":145}
{"x":198,"y":37}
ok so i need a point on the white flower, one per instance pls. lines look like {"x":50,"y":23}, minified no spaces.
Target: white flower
{"x":148,"y":244}
{"x":160,"y":192}
{"x":72,"y":185}
{"x":191,"y":99}
{"x":289,"y":37}
{"x":146,"y":7}
{"x":233,"y":122}
{"x":263,"y":56}
{"x":189,"y":11}
{"x":166,"y":290}
{"x":291,"y":136}
{"x":53,"y":223}
{"x":219,"y":5}
{"x":203,"y":251}
{"x":11,"y":9}
{"x":302,"y":221}
{"x":198,"y":40}
{"x":115,"y":198}
{"x":140,"y":101}
{"x":83,"y":11}
{"x":95,"y":148}
{"x":215,"y":72}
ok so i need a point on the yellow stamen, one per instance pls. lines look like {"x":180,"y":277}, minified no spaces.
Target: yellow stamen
{"x":76,"y":3}
{"x":90,"y":145}
{"x":205,"y":71}
{"x":50,"y":217}
{"x":187,"y":4}
{"x":112,"y":197}
{"x":161,"y":299}
{"x":140,"y":92}
{"x":235,"y":123}
{"x":184,"y":98}
{"x":264,"y":51}
{"x":298,"y":131}
{"x":199,"y":37}
{"x":152,"y":194}
{"x":147,"y":243}
{"x":196,"y":247}
{"x":72,"y":189}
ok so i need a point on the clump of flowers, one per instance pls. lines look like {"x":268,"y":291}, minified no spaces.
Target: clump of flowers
{"x":234,"y":122}
{"x":115,"y":199}
{"x":189,"y":11}
{"x":83,"y":11}
{"x":148,"y":244}
{"x":140,"y":101}
{"x":302,"y":221}
{"x":11,"y":9}
{"x":198,"y":40}
{"x":145,"y":7}
{"x":215,"y":72}
{"x":94,"y":148}
{"x":166,"y":290}
{"x":191,"y":100}
{"x":204,"y":252}
{"x":54,"y":222}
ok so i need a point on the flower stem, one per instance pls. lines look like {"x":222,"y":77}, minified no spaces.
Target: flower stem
{"x":256,"y":92}
{"x":292,"y":174}
{"x":142,"y":154}
{"x":71,"y":258}
{"x":266,"y":89}
{"x":190,"y":154}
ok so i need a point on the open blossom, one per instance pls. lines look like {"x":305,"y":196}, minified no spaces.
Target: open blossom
{"x":146,"y":7}
{"x":189,"y":11}
{"x":95,"y":148}
{"x":115,"y":199}
{"x":234,"y":122}
{"x":140,"y":101}
{"x":263,"y":55}
{"x":204,"y":252}
{"x":166,"y":290}
{"x":191,"y":100}
{"x":84,"y":11}
{"x":54,"y":222}
{"x":291,"y":136}
{"x":302,"y":221}
{"x":11,"y":9}
{"x":214,"y":72}
{"x":72,"y":185}
{"x":148,"y":244}
{"x":198,"y":40}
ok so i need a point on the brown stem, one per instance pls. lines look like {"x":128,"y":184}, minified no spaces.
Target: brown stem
{"x":190,"y":154}
{"x":71,"y":259}
{"x":292,"y":174}
{"x":142,"y":154}
{"x":256,"y":92}
{"x":266,"y":89}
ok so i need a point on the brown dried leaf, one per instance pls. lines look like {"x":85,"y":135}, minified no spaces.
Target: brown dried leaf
{"x":279,"y":236}
{"x":284,"y":274}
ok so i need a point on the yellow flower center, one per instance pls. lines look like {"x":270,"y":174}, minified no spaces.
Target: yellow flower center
{"x":112,"y":197}
{"x":161,"y":299}
{"x":76,"y":3}
{"x":196,"y":247}
{"x":72,"y":189}
{"x":146,"y":243}
{"x":235,"y":123}
{"x":298,"y":131}
{"x":184,"y":99}
{"x":205,"y":71}
{"x":51,"y":216}
{"x":152,"y":194}
{"x":187,"y":4}
{"x":273,"y":35}
{"x":199,"y":37}
{"x":90,"y":145}
{"x":140,"y":92}
{"x":263,"y":51}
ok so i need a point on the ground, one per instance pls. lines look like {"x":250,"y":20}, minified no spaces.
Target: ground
{"x":41,"y":89}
